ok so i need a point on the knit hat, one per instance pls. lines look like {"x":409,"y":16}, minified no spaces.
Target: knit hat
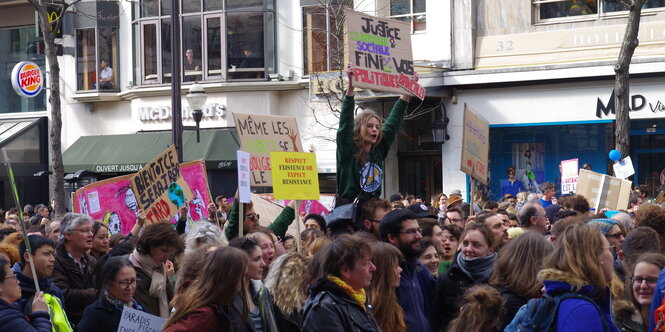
{"x":604,"y":224}
{"x":420,"y":210}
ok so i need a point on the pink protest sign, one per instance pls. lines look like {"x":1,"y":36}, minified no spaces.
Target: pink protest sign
{"x":113,"y":202}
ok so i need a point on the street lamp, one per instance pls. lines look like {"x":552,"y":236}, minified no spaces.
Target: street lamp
{"x":439,"y":127}
{"x":196,"y":98}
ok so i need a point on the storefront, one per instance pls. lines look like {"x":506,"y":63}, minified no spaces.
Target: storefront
{"x":556,"y":122}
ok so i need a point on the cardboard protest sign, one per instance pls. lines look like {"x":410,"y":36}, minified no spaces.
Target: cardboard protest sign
{"x":132,"y":320}
{"x":262,"y":134}
{"x":326,"y":86}
{"x":569,"y":175}
{"x":294,"y":175}
{"x":243,"y":176}
{"x":380,"y":49}
{"x":603,"y":191}
{"x":624,"y":168}
{"x":159,"y":187}
{"x":475,"y":145}
{"x":113,"y":202}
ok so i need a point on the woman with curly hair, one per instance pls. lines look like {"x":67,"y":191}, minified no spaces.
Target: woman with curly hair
{"x":480,"y":310}
{"x":289,"y":290}
{"x":388,"y":313}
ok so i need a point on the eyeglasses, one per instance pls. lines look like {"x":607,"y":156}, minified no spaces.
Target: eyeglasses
{"x":412,"y":231}
{"x":640,"y":280}
{"x":374,"y":220}
{"x":125,"y":284}
{"x":13,"y":276}
{"x":615,"y":235}
{"x":86,"y":230}
{"x":253,"y":216}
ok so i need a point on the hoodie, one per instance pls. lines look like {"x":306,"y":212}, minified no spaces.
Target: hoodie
{"x":577,"y":314}
{"x":28,"y":287}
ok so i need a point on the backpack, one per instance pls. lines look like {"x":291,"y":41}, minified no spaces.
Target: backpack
{"x":539,"y":315}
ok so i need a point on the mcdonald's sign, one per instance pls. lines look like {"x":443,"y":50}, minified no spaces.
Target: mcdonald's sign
{"x":52,"y":13}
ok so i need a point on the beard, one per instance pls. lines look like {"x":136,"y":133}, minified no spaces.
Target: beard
{"x":410,"y":250}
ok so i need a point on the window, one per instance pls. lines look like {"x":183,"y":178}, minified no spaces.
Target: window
{"x":411,"y":11}
{"x":97,"y":59}
{"x":552,"y":10}
{"x":220,"y":40}
{"x":20,"y":44}
{"x":323,"y":38}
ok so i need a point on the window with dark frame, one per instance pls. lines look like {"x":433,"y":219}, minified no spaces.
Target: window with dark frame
{"x":323,"y":38}
{"x":571,"y":10}
{"x":97,"y":59}
{"x":413,"y":12}
{"x":220,"y":39}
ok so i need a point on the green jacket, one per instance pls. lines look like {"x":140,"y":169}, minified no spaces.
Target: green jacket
{"x":278,"y":227}
{"x":363,"y":181}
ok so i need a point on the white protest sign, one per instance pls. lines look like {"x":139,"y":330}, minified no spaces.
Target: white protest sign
{"x":133,"y":320}
{"x":569,"y":176}
{"x":243,"y":176}
{"x":624,"y":168}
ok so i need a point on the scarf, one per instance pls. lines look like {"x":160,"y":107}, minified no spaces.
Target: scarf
{"x":358,"y":296}
{"x":478,"y":269}
{"x":118,"y":304}
{"x":158,"y":284}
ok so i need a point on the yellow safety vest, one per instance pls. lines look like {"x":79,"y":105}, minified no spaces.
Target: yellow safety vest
{"x":59,"y":321}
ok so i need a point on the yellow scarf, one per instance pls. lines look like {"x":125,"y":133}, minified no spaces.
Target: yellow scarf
{"x":358,"y":296}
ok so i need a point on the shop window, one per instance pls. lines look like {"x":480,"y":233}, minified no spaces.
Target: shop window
{"x":97,"y":59}
{"x":323,"y":38}
{"x":220,"y":40}
{"x":19,"y":44}
{"x":552,"y":10}
{"x":412,"y":11}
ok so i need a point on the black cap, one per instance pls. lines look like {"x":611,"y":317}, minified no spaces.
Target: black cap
{"x":395,"y":198}
{"x":420,"y":211}
{"x":392,"y":222}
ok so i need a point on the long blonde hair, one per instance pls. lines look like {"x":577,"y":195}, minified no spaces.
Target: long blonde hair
{"x":359,"y":131}
{"x":286,"y":282}
{"x":223,"y":273}
{"x":387,"y":311}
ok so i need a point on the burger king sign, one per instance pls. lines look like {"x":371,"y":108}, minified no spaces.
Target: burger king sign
{"x":27,"y":79}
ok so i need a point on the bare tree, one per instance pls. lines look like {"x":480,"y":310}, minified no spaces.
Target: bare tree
{"x":48,"y":30}
{"x":622,"y":78}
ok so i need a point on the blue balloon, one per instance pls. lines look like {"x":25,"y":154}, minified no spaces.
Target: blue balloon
{"x":615,"y":155}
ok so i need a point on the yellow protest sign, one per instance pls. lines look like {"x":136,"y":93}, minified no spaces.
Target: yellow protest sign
{"x":294,"y":175}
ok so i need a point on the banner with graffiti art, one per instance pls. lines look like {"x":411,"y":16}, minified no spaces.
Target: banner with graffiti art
{"x":113,"y":202}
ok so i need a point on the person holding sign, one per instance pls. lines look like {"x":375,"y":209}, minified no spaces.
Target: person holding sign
{"x":119,"y":284}
{"x":251,"y":220}
{"x":362,"y":146}
{"x":207,"y":304}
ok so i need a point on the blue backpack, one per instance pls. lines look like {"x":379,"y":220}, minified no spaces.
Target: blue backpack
{"x":539,"y":315}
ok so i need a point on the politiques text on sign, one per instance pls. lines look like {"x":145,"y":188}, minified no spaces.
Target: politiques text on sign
{"x":159,"y":188}
{"x":262,"y":134}
{"x":295,"y":176}
{"x":380,"y":50}
{"x":475,"y":145}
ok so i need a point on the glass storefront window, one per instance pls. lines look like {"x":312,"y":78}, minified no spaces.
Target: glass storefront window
{"x":97,"y":59}
{"x":19,"y":44}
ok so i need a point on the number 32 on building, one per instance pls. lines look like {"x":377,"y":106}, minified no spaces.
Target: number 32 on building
{"x":504,"y":45}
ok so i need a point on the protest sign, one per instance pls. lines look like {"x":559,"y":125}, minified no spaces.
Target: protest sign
{"x":262,"y":134}
{"x":380,"y":49}
{"x":326,"y":86}
{"x":603,"y":191}
{"x":243,"y":176}
{"x":113,"y":202}
{"x":569,"y":175}
{"x":624,"y":168}
{"x":294,"y":175}
{"x":132,"y":320}
{"x":475,"y":145}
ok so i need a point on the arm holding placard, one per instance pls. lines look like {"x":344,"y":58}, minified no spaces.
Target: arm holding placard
{"x":283,"y":220}
{"x":231,"y":230}
{"x":140,"y":222}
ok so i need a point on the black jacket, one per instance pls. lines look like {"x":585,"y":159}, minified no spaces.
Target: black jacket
{"x":330,"y":309}
{"x":513,"y":304}
{"x":78,"y":287}
{"x":288,"y":323}
{"x":102,"y":316}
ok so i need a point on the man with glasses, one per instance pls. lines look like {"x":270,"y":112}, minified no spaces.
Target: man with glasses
{"x":533,"y":217}
{"x":371,"y":213}
{"x":251,"y":221}
{"x":416,"y":287}
{"x":454,"y":216}
{"x":74,"y":268}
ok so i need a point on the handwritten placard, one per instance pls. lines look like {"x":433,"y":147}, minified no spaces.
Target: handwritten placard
{"x":380,"y":50}
{"x":295,"y":176}
{"x":475,"y":145}
{"x":262,"y":134}
{"x":159,"y":188}
{"x":133,"y":320}
{"x":243,"y":176}
{"x":569,"y":176}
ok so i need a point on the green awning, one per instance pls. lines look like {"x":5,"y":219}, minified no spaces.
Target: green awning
{"x":129,"y":153}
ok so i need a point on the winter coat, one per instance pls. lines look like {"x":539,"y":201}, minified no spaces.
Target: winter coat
{"x":330,"y":309}
{"x":206,"y":318}
{"x":288,"y":323}
{"x":28,"y":287}
{"x":577,"y":315}
{"x":78,"y":287}
{"x":415,"y":296}
{"x":142,"y":294}
{"x":102,"y":316}
{"x":13,"y":320}
{"x":513,"y":303}
{"x":449,"y":290}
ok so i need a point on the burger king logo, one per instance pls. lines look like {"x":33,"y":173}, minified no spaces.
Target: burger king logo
{"x":27,"y":79}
